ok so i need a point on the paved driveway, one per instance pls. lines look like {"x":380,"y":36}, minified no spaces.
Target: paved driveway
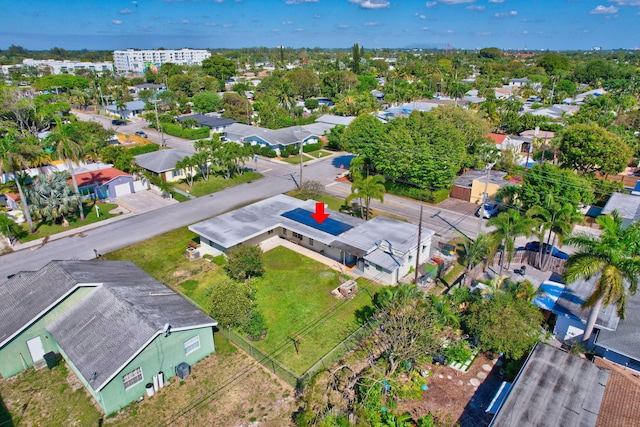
{"x":144,"y":201}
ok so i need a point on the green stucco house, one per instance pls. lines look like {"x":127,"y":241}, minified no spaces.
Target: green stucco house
{"x":116,"y":326}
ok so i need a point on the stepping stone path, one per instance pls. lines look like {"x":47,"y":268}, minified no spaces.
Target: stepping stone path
{"x":474,"y":382}
{"x":481,"y":375}
{"x":486,"y":367}
{"x":448,"y":377}
{"x":440,"y":376}
{"x":460,"y":382}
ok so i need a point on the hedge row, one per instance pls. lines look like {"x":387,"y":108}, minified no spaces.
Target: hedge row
{"x":179,"y":131}
{"x":404,"y":190}
{"x":311,"y":147}
{"x":142,"y":149}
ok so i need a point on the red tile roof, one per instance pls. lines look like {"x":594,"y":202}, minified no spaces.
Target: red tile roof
{"x":621,"y":401}
{"x":499,"y":139}
{"x":101,"y":176}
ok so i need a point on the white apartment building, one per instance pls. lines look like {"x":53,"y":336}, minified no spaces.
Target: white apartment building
{"x":55,"y":66}
{"x":137,"y":61}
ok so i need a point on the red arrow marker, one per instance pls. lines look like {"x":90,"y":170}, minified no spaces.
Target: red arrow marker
{"x":319,"y":216}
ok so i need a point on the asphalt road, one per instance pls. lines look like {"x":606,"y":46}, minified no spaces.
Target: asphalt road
{"x":278,"y":178}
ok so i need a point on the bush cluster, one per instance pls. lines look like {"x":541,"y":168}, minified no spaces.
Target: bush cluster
{"x":179,"y":131}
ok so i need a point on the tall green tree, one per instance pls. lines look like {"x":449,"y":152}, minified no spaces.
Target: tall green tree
{"x":367,"y":189}
{"x":51,"y":197}
{"x":15,"y":156}
{"x":613,"y":259}
{"x":508,"y":226}
{"x":67,"y":144}
{"x":473,"y":253}
{"x":219,"y":67}
{"x":591,"y":148}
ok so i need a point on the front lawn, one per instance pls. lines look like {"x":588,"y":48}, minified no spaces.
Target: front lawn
{"x":162,"y":256}
{"x":294,"y":297}
{"x":49,"y":228}
{"x":216,"y":183}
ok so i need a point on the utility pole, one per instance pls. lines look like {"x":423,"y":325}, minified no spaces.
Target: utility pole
{"x":415,"y":277}
{"x":300,"y":138}
{"x":484,"y":197}
{"x":158,"y":127}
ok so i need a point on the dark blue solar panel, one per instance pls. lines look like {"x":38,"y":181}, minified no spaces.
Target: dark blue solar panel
{"x":329,"y":225}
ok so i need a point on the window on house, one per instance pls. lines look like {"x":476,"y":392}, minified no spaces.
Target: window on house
{"x":132,"y":378}
{"x":424,"y":248}
{"x":297,"y":235}
{"x":284,"y":231}
{"x":270,"y":232}
{"x":410,"y":258}
{"x":192,"y":344}
{"x":310,"y":242}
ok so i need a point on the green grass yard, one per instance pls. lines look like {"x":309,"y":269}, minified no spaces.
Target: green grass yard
{"x":294,"y":296}
{"x":49,"y":228}
{"x":216,"y":183}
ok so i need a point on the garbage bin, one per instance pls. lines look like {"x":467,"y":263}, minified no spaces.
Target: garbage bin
{"x":52,"y":359}
{"x":523,"y":270}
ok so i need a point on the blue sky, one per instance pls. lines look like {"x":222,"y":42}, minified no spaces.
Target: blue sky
{"x":468,"y":24}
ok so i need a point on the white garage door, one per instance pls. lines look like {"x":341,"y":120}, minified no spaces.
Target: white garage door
{"x":122,"y":189}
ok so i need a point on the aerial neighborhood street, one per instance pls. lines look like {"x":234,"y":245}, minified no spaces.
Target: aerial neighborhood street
{"x":405,"y":225}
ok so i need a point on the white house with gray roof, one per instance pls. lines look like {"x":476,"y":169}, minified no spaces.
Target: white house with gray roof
{"x":277,"y":139}
{"x":382,"y":249}
{"x":115,"y":326}
{"x":163,"y":163}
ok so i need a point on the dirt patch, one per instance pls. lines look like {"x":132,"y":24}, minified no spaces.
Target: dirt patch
{"x":453,"y":395}
{"x":181,"y":273}
{"x":234,"y":391}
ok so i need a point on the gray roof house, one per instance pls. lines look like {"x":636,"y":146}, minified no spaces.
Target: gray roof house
{"x":131,"y":109}
{"x":383,"y":249}
{"x":277,"y":139}
{"x":627,"y":205}
{"x":614,"y":339}
{"x":163,"y":163}
{"x":114,"y":325}
{"x":553,"y":388}
{"x":216,"y":124}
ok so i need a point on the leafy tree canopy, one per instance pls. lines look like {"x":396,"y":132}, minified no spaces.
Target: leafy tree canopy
{"x":230,"y":302}
{"x":244,"y":262}
{"x":219,"y":67}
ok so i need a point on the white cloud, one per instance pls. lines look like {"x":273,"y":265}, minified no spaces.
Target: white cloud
{"x":431,"y":3}
{"x":425,"y":28}
{"x":475,"y":7}
{"x":371,"y":4}
{"x":603,"y":10}
{"x":316,"y":16}
{"x":287,"y":22}
{"x":219,"y":1}
{"x":422,"y":16}
{"x":372,"y":24}
{"x":184,"y":21}
{"x":525,"y":32}
{"x":116,"y":22}
{"x":227,"y":26}
{"x":300,"y":1}
{"x":510,"y":14}
{"x":210,"y":24}
{"x":484,"y":33}
{"x":496,"y":1}
{"x":626,"y":2}
{"x":343,"y":26}
{"x":297,"y":30}
{"x":134,"y":2}
{"x":125,"y":11}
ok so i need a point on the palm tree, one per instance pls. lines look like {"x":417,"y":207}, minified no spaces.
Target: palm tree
{"x":67,"y":145}
{"x":509,"y":225}
{"x":366,"y":189}
{"x":473,"y":253}
{"x":187,"y":164}
{"x":51,"y":197}
{"x":15,"y":156}
{"x":613,"y":258}
{"x":557,"y":220}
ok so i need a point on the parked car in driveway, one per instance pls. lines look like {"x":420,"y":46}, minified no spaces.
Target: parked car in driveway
{"x":141,"y":133}
{"x":490,"y":210}
{"x":118,"y":122}
{"x":535,"y":247}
